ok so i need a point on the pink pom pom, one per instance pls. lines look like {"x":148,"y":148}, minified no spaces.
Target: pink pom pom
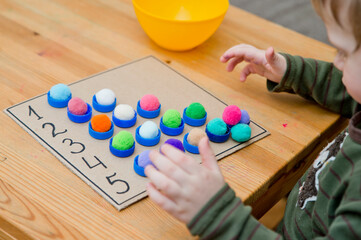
{"x":149,"y":102}
{"x":77,"y":106}
{"x":232,"y":115}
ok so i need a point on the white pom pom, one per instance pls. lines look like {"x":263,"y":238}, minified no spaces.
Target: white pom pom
{"x":148,"y":130}
{"x":105,"y":96}
{"x":124,"y":112}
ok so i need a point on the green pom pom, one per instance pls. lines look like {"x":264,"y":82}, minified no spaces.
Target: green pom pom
{"x":196,"y":111}
{"x":241,"y":132}
{"x":217,"y":126}
{"x":172,"y":118}
{"x":123,"y":140}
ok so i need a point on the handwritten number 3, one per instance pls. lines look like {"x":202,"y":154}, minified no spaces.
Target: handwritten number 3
{"x":72,"y":143}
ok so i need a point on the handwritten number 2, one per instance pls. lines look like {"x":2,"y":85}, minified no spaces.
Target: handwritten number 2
{"x":53,"y":129}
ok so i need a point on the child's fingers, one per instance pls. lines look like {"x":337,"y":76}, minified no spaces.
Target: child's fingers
{"x":206,"y":152}
{"x":164,"y":202}
{"x":185,"y":162}
{"x":246,"y":71}
{"x":162,"y":182}
{"x":168,"y":167}
{"x":233,"y":63}
{"x":239,"y":51}
{"x":224,"y":59}
{"x":271,"y":56}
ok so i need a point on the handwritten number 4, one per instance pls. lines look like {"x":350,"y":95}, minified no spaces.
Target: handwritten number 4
{"x":71,"y":142}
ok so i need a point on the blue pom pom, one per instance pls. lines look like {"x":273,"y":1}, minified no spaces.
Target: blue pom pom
{"x":60,"y":92}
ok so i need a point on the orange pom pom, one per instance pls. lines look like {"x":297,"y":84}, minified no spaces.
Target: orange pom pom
{"x":101,"y":123}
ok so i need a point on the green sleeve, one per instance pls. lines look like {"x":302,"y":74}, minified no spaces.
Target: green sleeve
{"x":225,"y":217}
{"x":348,"y":214}
{"x":315,"y":80}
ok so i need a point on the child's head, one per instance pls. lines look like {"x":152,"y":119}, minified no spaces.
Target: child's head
{"x":343,"y":23}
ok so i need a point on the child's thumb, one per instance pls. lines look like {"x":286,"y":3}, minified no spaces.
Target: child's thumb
{"x":207,"y":155}
{"x":271,"y":56}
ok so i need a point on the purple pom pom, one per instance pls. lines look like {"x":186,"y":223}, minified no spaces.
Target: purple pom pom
{"x":144,"y":160}
{"x":175,"y":143}
{"x":245,"y":117}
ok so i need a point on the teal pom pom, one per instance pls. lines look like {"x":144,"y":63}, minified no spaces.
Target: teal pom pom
{"x":217,"y":126}
{"x":241,"y":132}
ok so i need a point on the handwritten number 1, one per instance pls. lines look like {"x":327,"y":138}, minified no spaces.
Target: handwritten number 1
{"x":31,"y":110}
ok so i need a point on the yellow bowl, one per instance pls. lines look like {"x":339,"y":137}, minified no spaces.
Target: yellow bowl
{"x":180,"y":24}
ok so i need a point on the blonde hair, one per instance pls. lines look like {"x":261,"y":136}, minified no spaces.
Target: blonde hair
{"x":354,"y":14}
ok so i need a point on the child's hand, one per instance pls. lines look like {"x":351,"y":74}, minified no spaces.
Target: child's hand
{"x":181,"y":186}
{"x":265,"y":63}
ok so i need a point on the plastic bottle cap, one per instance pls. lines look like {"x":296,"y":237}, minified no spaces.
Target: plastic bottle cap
{"x":189,"y":147}
{"x":125,"y":123}
{"x":58,"y":103}
{"x":148,"y":114}
{"x":194,"y":122}
{"x":138,"y":169}
{"x":171,"y":131}
{"x":101,"y":135}
{"x":103,"y":108}
{"x":81,"y":118}
{"x":218,"y":138}
{"x":121,"y":153}
{"x":148,"y":142}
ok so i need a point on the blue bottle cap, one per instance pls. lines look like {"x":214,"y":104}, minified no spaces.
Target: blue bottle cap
{"x":103,"y":108}
{"x":189,"y":147}
{"x":148,"y":142}
{"x":192,"y":121}
{"x":148,"y":114}
{"x":101,"y":135}
{"x":138,"y":169}
{"x":230,"y":126}
{"x":171,"y":131}
{"x":125,"y":123}
{"x":218,"y":138}
{"x":58,"y":103}
{"x":80,"y":118}
{"x":121,"y":153}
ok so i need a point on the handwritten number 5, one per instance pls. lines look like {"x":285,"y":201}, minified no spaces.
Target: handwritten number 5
{"x":118,"y":180}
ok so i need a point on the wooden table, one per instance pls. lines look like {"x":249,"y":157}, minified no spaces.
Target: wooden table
{"x":45,"y":42}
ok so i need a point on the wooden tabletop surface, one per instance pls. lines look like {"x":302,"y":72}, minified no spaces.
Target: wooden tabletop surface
{"x":44,"y":42}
